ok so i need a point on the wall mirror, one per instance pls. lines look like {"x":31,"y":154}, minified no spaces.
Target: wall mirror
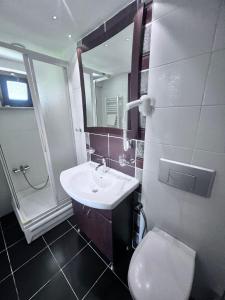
{"x":106,"y":70}
{"x":109,"y":62}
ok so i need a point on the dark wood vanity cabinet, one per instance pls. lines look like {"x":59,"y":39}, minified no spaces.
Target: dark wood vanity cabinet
{"x":109,"y":230}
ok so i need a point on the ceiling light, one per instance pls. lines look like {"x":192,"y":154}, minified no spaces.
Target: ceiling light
{"x":127,"y":39}
{"x":106,"y":45}
{"x":69,"y":36}
{"x":18,"y":45}
{"x":54,"y":17}
{"x":95,"y":74}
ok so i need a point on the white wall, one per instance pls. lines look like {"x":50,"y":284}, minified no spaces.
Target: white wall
{"x":5,"y":196}
{"x":21,"y":144}
{"x":77,"y":111}
{"x":89,"y":100}
{"x":12,"y":64}
{"x":187,"y":81}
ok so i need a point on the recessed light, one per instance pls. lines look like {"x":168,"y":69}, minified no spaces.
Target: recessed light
{"x":106,"y":45}
{"x":54,"y":17}
{"x":127,"y":39}
{"x":69,"y":36}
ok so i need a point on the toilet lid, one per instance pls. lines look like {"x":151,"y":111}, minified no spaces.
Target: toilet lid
{"x":161,"y":268}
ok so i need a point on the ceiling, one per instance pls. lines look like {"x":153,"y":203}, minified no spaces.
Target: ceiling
{"x":30,"y":22}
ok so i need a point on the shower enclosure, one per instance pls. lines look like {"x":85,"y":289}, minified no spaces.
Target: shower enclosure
{"x":36,"y":140}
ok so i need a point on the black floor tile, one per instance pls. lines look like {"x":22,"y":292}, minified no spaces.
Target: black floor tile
{"x":4,"y":265}
{"x":85,"y":236}
{"x":109,"y":287}
{"x":13,"y":234}
{"x":2,"y":245}
{"x":121,"y":266}
{"x":83,"y":271}
{"x":34,"y":274}
{"x":67,"y":246}
{"x":22,"y":251}
{"x":56,"y":289}
{"x":54,"y":233}
{"x":8,"y":290}
{"x":72,"y":220}
{"x":9,"y":220}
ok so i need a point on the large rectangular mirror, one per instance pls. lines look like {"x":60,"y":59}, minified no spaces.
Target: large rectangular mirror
{"x":109,"y":61}
{"x":107,"y":69}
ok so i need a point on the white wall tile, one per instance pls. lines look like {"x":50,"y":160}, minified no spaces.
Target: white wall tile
{"x":211,"y":131}
{"x":202,"y":227}
{"x":78,"y":123}
{"x":174,"y":125}
{"x":74,"y":74}
{"x":162,"y":203}
{"x":163,"y":7}
{"x":21,"y":144}
{"x":185,"y":32}
{"x":220,"y":30}
{"x":77,"y":110}
{"x":179,"y":133}
{"x":138,"y":174}
{"x":214,"y":161}
{"x":157,"y":151}
{"x":180,"y":83}
{"x":215,"y":86}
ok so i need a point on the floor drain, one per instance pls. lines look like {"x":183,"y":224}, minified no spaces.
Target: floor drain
{"x":94,"y":190}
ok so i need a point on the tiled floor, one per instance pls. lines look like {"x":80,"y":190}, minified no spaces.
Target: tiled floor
{"x":62,"y":264}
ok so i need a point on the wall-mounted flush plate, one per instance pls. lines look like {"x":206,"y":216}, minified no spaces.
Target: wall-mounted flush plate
{"x":186,"y":177}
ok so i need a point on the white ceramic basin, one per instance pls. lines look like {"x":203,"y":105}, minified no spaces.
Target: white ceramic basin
{"x":98,"y":189}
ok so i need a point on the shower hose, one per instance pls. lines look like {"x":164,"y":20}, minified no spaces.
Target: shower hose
{"x":145,"y":222}
{"x":140,"y":209}
{"x":34,"y":187}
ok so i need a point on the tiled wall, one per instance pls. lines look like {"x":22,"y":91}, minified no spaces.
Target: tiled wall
{"x":187,"y":82}
{"x":111,"y":147}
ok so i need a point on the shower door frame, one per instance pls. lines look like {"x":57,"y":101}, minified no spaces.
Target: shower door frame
{"x":39,"y":118}
{"x":28,"y":57}
{"x":28,"y":61}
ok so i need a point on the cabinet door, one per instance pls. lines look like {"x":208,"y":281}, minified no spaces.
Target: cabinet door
{"x":96,"y":226}
{"x":99,"y":230}
{"x":79,"y":211}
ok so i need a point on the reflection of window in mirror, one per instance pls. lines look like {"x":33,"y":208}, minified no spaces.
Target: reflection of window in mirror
{"x":106,"y":79}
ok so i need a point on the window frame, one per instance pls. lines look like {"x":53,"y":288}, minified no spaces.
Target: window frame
{"x":6,"y":101}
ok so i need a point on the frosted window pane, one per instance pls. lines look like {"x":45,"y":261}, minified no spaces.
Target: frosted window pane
{"x":17,"y":90}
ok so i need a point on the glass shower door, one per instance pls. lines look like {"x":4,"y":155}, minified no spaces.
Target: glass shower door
{"x":21,"y":149}
{"x":54,"y":105}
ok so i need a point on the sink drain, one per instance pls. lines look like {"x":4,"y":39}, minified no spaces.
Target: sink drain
{"x":95,"y":190}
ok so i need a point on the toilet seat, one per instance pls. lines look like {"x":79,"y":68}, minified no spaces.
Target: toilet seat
{"x":161,"y":268}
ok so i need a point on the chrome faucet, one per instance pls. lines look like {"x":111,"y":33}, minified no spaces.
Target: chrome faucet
{"x":102,"y":163}
{"x":22,"y":169}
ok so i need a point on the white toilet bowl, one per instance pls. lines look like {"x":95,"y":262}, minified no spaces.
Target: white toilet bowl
{"x":161,"y":268}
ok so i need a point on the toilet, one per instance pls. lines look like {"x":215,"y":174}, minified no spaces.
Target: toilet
{"x":161,"y":268}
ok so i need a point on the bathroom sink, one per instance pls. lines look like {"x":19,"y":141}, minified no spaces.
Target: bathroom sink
{"x":96,"y":188}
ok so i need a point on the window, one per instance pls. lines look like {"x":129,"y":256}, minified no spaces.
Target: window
{"x":15,"y":91}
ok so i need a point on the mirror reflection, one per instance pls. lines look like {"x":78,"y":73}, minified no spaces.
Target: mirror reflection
{"x":107,"y":70}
